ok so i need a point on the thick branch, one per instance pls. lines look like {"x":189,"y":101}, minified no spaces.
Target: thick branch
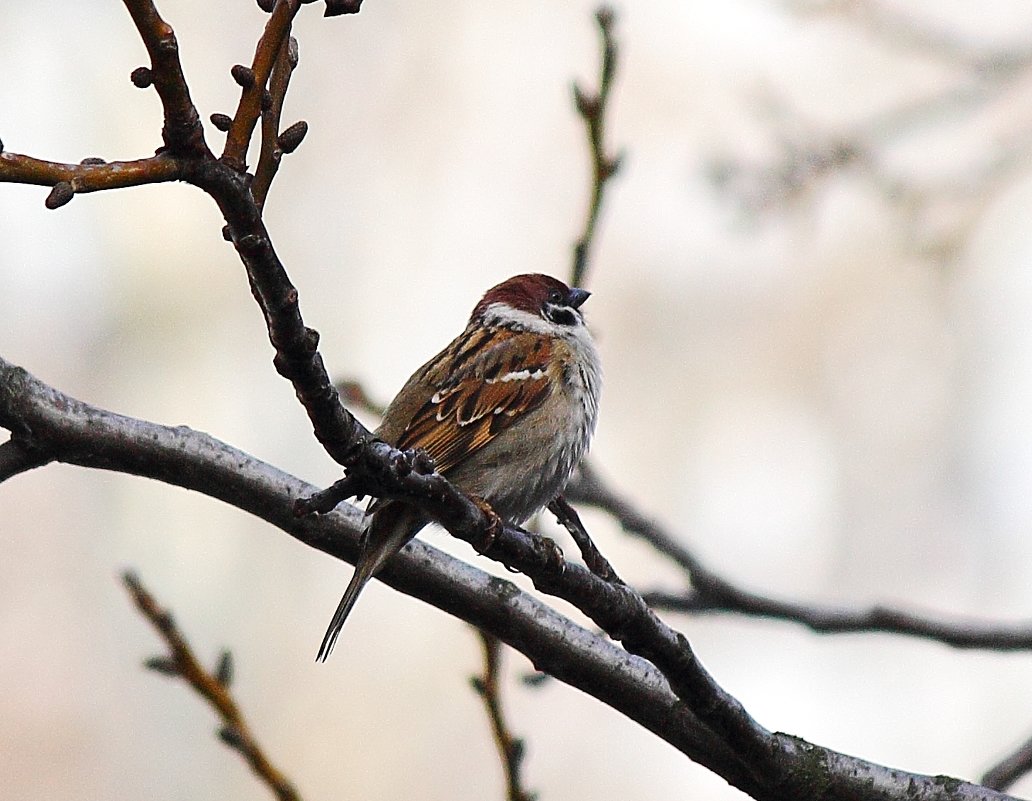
{"x":16,"y":456}
{"x":76,"y":433}
{"x":700,"y":719}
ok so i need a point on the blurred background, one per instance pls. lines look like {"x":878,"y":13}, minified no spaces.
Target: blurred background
{"x":811,"y":293}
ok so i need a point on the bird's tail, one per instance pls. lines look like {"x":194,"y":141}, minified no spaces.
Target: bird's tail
{"x":390,"y":529}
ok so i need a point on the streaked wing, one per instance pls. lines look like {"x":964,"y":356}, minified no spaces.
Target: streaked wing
{"x":501,"y":376}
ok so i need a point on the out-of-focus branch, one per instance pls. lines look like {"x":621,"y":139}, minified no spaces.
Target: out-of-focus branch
{"x":213,"y":687}
{"x":901,"y":30}
{"x":711,"y":593}
{"x":1009,"y":769}
{"x":510,"y":747}
{"x":937,"y":216}
{"x":353,"y":394}
{"x":721,"y":597}
{"x":592,"y":107}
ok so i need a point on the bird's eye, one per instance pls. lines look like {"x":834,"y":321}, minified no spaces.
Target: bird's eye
{"x":555,"y":296}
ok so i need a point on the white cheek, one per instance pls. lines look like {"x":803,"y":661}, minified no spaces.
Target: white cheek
{"x":505,"y":315}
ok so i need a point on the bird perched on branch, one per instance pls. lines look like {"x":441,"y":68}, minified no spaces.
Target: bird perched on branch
{"x":506,"y":412}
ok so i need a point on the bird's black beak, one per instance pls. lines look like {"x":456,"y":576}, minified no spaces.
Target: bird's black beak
{"x":577,"y":297}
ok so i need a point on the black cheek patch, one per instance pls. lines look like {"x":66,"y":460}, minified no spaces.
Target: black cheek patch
{"x":560,"y":315}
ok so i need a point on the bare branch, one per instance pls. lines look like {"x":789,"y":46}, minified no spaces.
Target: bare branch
{"x":70,"y":431}
{"x":712,"y":593}
{"x":16,"y":457}
{"x":272,"y":148}
{"x":936,"y":217}
{"x":975,"y":634}
{"x":182,"y":133}
{"x":273,"y":41}
{"x":904,"y":32}
{"x":1009,"y":769}
{"x":592,"y":108}
{"x":593,"y":558}
{"x":213,"y":687}
{"x":510,"y":747}
{"x":679,"y":702}
{"x":353,"y":394}
{"x":89,"y":176}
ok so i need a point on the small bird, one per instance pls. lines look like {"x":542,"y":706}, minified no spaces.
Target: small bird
{"x":506,"y":412}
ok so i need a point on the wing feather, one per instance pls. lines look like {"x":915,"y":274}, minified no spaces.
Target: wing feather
{"x":502,"y":376}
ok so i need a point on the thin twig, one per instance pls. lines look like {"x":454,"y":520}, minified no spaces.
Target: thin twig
{"x":213,"y":687}
{"x":510,"y":748}
{"x":276,"y":34}
{"x":91,"y":176}
{"x":593,"y":558}
{"x":713,"y":593}
{"x":272,"y":151}
{"x":182,"y":132}
{"x":592,"y":108}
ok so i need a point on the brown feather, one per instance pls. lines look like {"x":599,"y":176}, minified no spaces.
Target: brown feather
{"x":502,"y":378}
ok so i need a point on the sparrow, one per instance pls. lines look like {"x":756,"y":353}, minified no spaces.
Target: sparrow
{"x":506,"y":412}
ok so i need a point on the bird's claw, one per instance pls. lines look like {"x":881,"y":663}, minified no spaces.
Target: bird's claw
{"x":494,"y":526}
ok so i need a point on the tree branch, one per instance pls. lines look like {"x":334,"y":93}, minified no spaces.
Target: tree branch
{"x":592,"y":107}
{"x":510,"y":747}
{"x":182,"y":132}
{"x":591,"y":555}
{"x":297,"y":357}
{"x":92,"y":175}
{"x":679,"y":701}
{"x":73,"y":432}
{"x":253,"y":97}
{"x":712,"y":593}
{"x":273,"y":145}
{"x":213,"y":687}
{"x":1009,"y":769}
{"x":16,"y":456}
{"x":673,"y":695}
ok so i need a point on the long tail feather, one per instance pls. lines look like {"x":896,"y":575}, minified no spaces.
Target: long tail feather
{"x":363,"y":572}
{"x":391,"y":527}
